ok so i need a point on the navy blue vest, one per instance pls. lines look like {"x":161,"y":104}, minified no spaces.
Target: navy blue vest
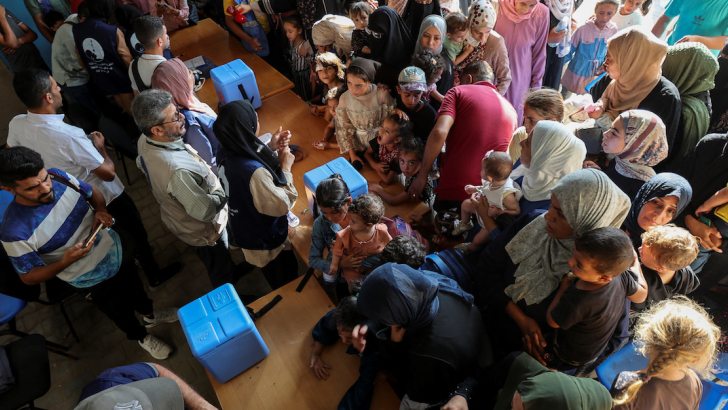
{"x":249,"y":228}
{"x":96,"y":43}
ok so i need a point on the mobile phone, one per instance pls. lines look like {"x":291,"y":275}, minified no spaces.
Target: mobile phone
{"x":704,"y":219}
{"x":90,"y":239}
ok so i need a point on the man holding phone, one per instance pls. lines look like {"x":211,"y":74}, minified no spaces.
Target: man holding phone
{"x":48,"y":232}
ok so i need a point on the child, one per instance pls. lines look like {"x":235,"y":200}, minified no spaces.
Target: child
{"x":364,"y":235}
{"x":382,"y":152}
{"x":361,"y":109}
{"x":53,"y":20}
{"x":498,"y":191}
{"x":300,"y":65}
{"x":404,"y":250}
{"x":411,"y":151}
{"x":329,"y":71}
{"x":589,"y":47}
{"x":359,"y":14}
{"x":717,"y":201}
{"x":339,"y":323}
{"x":667,"y":252}
{"x":489,"y":45}
{"x":678,"y":338}
{"x":332,"y":102}
{"x":586,"y":310}
{"x":454,"y":45}
{"x":630,"y":14}
{"x":411,"y":85}
{"x":432,"y":65}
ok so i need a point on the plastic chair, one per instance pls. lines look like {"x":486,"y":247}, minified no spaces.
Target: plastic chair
{"x":119,"y":141}
{"x":9,"y":308}
{"x":28,"y":359}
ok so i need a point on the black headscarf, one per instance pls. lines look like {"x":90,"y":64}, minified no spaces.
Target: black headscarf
{"x":125,"y":16}
{"x":101,"y":9}
{"x":414,"y":13}
{"x":394,"y":47}
{"x":706,"y":168}
{"x":235,"y":130}
{"x":661,"y":185}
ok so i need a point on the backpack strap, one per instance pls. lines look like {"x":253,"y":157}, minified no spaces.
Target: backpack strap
{"x":64,"y":181}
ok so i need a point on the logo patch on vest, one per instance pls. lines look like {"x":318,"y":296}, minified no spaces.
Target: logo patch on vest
{"x":93,"y":50}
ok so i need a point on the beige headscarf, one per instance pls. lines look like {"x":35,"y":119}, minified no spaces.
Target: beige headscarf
{"x":336,"y":30}
{"x":639,"y":56}
{"x":646,"y":144}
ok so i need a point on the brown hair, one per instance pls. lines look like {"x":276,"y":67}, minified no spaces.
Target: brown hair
{"x":607,"y":2}
{"x":359,"y":8}
{"x":499,"y":165}
{"x":673,"y":333}
{"x":369,"y":207}
{"x":456,"y":22}
{"x":330,"y":59}
{"x":547,"y":103}
{"x":672,"y":247}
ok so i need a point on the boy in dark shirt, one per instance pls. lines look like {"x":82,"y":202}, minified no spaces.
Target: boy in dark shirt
{"x":586,"y":310}
{"x":666,"y":254}
{"x":339,"y":323}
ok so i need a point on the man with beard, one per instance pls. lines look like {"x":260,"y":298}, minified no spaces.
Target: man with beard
{"x":192,"y":201}
{"x":52,"y":229}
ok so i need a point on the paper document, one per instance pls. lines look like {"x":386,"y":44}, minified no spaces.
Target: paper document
{"x":195,"y":62}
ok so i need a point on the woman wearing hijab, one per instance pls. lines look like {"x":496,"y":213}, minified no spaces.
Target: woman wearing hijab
{"x":260,"y":191}
{"x":658,"y":202}
{"x":415,"y":12}
{"x":691,"y":67}
{"x":524,"y":25}
{"x":427,"y":328}
{"x":173,"y":76}
{"x":638,"y":140}
{"x":491,"y":47}
{"x":334,"y":31}
{"x":635,"y":80}
{"x":391,"y":44}
{"x":706,"y":168}
{"x":555,"y":55}
{"x":432,"y":32}
{"x":549,"y":153}
{"x":174,"y":13}
{"x":520,"y":270}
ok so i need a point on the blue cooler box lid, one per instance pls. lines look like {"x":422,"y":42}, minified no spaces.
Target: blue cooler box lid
{"x":213,"y":319}
{"x":356,"y":183}
{"x":230,"y":72}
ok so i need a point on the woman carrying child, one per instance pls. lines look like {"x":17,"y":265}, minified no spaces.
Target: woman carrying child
{"x":412,"y":84}
{"x":260,"y":191}
{"x":433,"y":31}
{"x":361,"y":111}
{"x":490,"y":47}
{"x":678,"y":338}
{"x":331,"y":72}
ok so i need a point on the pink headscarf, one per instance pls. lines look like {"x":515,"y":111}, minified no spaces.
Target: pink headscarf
{"x":173,"y":76}
{"x":509,"y":9}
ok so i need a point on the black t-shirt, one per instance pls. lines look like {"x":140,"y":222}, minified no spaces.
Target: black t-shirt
{"x":394,"y":165}
{"x":422,"y":119}
{"x":684,"y":282}
{"x":587,"y":319}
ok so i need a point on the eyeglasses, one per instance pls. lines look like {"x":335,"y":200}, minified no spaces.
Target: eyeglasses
{"x":177,"y":118}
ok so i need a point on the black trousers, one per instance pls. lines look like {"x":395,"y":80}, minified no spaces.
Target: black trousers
{"x":281,"y":270}
{"x":129,"y":223}
{"x":554,"y":68}
{"x":220,"y":265}
{"x":118,"y":298}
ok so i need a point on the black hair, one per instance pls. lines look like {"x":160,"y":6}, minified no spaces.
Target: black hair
{"x":404,"y":127}
{"x":32,"y":85}
{"x":18,"y":163}
{"x":332,"y":192}
{"x":148,"y":29}
{"x":369,"y":207}
{"x":347,"y":316}
{"x":429,"y":62}
{"x":645,"y":9}
{"x":412,"y":145}
{"x":52,"y":17}
{"x":359,"y":72}
{"x":609,"y":249}
{"x":404,"y":250}
{"x":101,"y":9}
{"x":294,"y":20}
{"x":83,"y":12}
{"x":359,"y":8}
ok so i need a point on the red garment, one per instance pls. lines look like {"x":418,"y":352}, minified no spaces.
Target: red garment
{"x":74,"y":6}
{"x":484,"y":121}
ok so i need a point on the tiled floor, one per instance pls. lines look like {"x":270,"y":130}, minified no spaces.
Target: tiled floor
{"x":104,"y":346}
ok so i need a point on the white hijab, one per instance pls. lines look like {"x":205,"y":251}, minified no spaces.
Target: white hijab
{"x":555,"y":153}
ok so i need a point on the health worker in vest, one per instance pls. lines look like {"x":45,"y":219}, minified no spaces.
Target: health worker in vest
{"x":258,"y":182}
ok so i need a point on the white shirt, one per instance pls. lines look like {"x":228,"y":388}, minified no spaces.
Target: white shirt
{"x":633,"y":19}
{"x":146,"y":64}
{"x":66,"y":68}
{"x":62,"y":146}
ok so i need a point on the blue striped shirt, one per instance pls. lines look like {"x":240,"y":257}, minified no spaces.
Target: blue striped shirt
{"x":39,"y":235}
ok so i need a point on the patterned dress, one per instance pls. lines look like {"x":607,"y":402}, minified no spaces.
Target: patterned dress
{"x":358,"y":118}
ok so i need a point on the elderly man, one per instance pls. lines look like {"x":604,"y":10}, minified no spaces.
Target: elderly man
{"x":485,"y":121}
{"x":193,"y":204}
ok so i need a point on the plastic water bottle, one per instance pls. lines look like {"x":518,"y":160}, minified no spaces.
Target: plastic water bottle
{"x":293,"y":220}
{"x":563,"y":25}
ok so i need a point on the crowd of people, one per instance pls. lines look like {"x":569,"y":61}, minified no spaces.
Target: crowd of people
{"x":582,"y":166}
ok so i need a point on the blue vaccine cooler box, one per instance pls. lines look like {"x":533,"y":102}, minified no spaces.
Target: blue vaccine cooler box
{"x":221,"y":334}
{"x":235,"y":81}
{"x":354,"y":180}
